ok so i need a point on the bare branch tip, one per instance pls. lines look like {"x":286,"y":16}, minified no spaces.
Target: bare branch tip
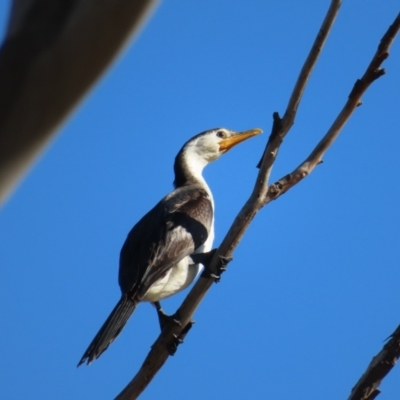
{"x":276,"y":128}
{"x":379,"y":72}
{"x":276,"y":116}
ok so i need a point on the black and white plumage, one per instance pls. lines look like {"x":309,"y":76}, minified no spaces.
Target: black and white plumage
{"x":155,"y":260}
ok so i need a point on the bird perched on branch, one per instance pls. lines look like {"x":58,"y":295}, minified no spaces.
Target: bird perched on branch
{"x":164,"y":251}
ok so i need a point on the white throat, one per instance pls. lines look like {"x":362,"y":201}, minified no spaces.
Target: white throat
{"x":194,"y":166}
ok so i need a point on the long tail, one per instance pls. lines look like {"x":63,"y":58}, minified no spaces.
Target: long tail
{"x":110,"y":329}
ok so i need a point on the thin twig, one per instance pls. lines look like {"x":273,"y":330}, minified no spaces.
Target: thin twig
{"x":282,"y":126}
{"x":158,"y":354}
{"x":373,"y":72}
{"x":367,"y":387}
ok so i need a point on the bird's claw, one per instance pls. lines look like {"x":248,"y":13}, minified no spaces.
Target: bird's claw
{"x":165,"y":319}
{"x":175,"y":319}
{"x":178,"y":338}
{"x":221,"y":266}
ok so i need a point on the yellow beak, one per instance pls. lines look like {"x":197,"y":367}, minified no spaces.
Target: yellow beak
{"x":227,"y":143}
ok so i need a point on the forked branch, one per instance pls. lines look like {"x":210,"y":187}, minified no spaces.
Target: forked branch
{"x":373,"y":72}
{"x":262,"y":194}
{"x":158,"y":354}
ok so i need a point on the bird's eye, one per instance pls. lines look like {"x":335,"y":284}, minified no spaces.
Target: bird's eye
{"x":221,"y":134}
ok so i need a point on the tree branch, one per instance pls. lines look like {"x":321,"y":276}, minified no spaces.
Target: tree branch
{"x":158,"y":354}
{"x":282,"y":126}
{"x":373,"y":72}
{"x":262,"y":195}
{"x":367,"y":387}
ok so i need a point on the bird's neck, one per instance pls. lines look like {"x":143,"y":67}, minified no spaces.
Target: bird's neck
{"x":188,"y":170}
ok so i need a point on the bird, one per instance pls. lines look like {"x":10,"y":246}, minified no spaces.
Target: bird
{"x":166,"y":250}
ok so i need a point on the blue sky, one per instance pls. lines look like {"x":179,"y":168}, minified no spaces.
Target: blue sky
{"x":313,"y":289}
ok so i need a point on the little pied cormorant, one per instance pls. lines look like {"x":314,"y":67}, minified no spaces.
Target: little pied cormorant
{"x":155,"y":260}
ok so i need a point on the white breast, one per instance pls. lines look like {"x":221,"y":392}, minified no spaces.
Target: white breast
{"x":180,"y":276}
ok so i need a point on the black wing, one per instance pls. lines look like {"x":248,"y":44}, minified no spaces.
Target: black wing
{"x":172,"y":230}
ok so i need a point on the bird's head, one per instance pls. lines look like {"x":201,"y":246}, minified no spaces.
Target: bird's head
{"x":211,"y":144}
{"x":208,"y":146}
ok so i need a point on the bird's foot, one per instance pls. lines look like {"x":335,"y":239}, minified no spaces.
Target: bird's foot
{"x":178,"y":338}
{"x":165,"y":319}
{"x":206,"y":258}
